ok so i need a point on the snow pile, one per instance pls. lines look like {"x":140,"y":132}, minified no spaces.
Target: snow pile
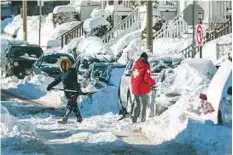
{"x":131,"y":44}
{"x":115,"y":75}
{"x":37,"y":86}
{"x":94,"y":47}
{"x":124,"y":41}
{"x":189,"y":82}
{"x":215,"y":139}
{"x":4,"y":23}
{"x":100,"y":13}
{"x":11,"y":127}
{"x":170,"y":45}
{"x":210,"y":50}
{"x":92,"y":23}
{"x":60,"y":29}
{"x":13,"y":27}
{"x":98,"y":105}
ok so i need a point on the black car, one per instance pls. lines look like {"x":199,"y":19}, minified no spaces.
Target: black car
{"x":48,"y":63}
{"x":18,"y":57}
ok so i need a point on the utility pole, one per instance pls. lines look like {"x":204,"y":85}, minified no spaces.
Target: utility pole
{"x":24,"y":19}
{"x":40,"y":3}
{"x":193,"y":53}
{"x":149,"y":26}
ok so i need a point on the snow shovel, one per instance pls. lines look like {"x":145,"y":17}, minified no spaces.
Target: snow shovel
{"x":74,"y":91}
{"x":67,"y":90}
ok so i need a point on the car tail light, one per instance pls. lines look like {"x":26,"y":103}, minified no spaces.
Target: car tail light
{"x":207,"y":107}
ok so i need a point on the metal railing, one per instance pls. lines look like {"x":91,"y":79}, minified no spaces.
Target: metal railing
{"x":223,"y":29}
{"x":75,"y":32}
{"x":121,"y":27}
{"x":173,"y":29}
{"x":223,"y":49}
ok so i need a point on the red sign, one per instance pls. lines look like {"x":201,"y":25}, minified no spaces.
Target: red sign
{"x":199,"y":35}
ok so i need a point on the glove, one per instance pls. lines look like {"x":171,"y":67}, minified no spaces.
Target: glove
{"x":49,"y":88}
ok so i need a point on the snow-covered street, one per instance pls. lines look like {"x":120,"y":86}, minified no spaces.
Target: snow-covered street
{"x":97,"y":78}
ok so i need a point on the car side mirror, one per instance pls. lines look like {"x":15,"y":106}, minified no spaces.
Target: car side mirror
{"x":229,"y":91}
{"x":128,"y":73}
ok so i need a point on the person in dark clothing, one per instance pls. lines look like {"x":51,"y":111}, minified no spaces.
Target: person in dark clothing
{"x":68,"y":77}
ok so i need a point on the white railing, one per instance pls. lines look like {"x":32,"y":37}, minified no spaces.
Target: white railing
{"x":119,"y":29}
{"x":169,"y":3}
{"x":174,"y":29}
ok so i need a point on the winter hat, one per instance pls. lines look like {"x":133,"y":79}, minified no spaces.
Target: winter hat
{"x":144,"y":56}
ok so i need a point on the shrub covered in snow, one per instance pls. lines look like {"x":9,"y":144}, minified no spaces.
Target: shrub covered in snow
{"x":97,"y":26}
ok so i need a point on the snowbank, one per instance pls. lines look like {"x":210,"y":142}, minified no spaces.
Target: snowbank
{"x":91,"y":23}
{"x":13,"y":27}
{"x":94,"y":47}
{"x":209,"y":50}
{"x":60,"y":29}
{"x":189,"y":82}
{"x":99,"y":105}
{"x":37,"y":86}
{"x":4,"y":23}
{"x":170,"y":45}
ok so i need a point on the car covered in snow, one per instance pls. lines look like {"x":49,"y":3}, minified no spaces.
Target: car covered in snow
{"x":19,"y":56}
{"x":48,"y":63}
{"x":158,"y":64}
{"x":100,"y":75}
{"x":84,"y":61}
{"x":217,"y":100}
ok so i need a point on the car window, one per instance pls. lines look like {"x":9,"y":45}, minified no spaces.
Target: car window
{"x":24,"y":52}
{"x":54,"y":59}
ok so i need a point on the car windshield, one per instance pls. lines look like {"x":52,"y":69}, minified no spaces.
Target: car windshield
{"x":53,"y":60}
{"x":26,"y":52}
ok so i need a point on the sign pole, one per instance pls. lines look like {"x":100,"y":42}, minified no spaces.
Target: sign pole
{"x":40,"y":3}
{"x":40,"y":11}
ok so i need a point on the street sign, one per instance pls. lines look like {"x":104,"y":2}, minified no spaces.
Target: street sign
{"x":199,"y":35}
{"x":40,"y":3}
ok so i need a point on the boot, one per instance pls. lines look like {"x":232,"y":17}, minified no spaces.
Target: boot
{"x":79,"y":119}
{"x":134,"y":119}
{"x":62,"y":122}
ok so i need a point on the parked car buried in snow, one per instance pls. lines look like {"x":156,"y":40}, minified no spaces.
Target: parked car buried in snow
{"x":217,"y":101}
{"x":83,"y":63}
{"x":98,"y":76}
{"x":48,"y":63}
{"x":18,"y":57}
{"x":158,"y":64}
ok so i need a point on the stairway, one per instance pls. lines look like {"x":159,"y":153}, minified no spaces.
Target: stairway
{"x":120,"y":29}
{"x":173,"y":29}
{"x":224,"y":29}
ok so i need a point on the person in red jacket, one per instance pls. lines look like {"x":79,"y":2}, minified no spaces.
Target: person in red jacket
{"x":141,"y":83}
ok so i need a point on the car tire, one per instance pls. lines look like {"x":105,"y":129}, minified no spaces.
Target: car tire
{"x":220,"y":118}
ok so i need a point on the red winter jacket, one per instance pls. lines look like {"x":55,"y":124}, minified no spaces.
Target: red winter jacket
{"x":140,"y":78}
